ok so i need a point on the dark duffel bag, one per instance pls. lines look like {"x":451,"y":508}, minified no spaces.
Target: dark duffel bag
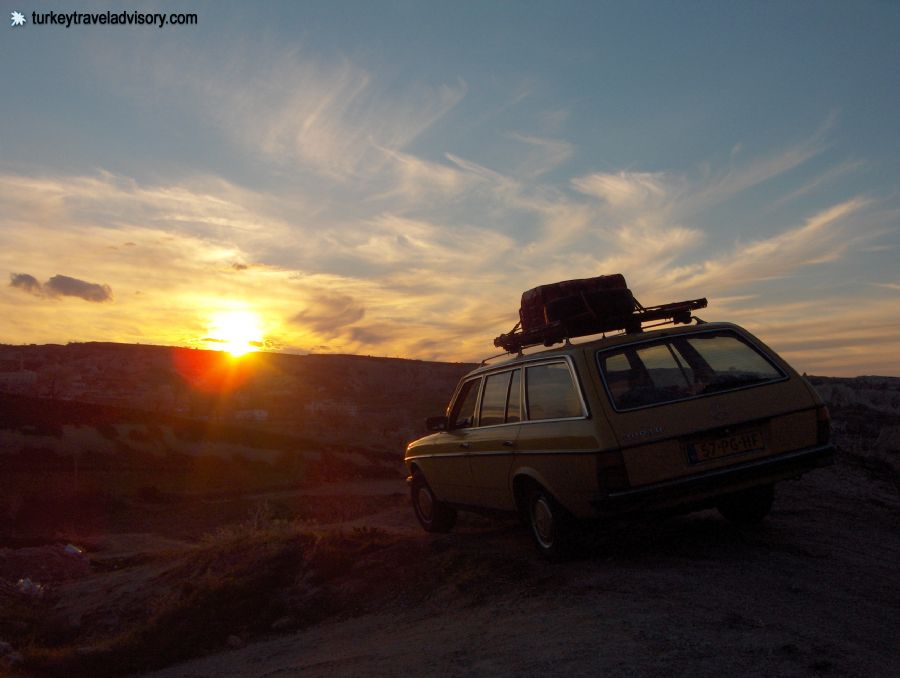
{"x":585,"y":305}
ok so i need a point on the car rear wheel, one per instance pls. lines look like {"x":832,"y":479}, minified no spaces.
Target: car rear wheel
{"x":433,"y":515}
{"x":552,"y":529}
{"x":748,"y":507}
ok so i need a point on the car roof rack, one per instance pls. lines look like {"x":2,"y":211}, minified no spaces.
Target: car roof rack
{"x":591,"y":321}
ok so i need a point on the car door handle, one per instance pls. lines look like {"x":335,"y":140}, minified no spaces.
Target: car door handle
{"x":508,"y":443}
{"x":465,"y":446}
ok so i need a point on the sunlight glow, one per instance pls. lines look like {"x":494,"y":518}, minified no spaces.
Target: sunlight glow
{"x":237,"y":332}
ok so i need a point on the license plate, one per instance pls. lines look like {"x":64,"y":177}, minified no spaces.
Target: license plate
{"x":705,"y":450}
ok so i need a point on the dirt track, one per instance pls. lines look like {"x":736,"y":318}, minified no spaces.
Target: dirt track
{"x":815,"y":591}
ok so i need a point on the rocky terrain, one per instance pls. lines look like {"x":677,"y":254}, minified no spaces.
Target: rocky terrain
{"x":335,"y":578}
{"x":866,"y":418}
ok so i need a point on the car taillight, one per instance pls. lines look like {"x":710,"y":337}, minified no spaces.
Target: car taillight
{"x":611,"y":473}
{"x":823,"y":424}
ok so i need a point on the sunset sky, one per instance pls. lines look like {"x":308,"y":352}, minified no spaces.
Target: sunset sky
{"x":386,"y":178}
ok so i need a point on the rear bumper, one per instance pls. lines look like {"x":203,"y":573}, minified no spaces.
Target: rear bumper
{"x":696,"y":489}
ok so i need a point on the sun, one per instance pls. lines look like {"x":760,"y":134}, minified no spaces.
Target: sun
{"x":237,"y":332}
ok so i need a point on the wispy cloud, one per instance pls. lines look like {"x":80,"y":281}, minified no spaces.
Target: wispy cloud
{"x":414,"y":179}
{"x":725,"y":184}
{"x":334,"y":117}
{"x":391,"y":239}
{"x":841,"y":335}
{"x":328,"y":313}
{"x":545,"y":154}
{"x":635,"y":190}
{"x":424,"y":259}
{"x":825,"y":237}
{"x":824,"y":178}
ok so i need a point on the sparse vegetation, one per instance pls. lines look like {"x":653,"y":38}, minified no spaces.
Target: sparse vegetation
{"x":240,"y":581}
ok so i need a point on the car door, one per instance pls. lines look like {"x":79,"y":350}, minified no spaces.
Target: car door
{"x":492,"y":444}
{"x":558,"y":441}
{"x":447,"y":466}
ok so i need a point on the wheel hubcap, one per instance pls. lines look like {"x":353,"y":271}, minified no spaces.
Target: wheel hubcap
{"x":425,"y":503}
{"x":542,"y":521}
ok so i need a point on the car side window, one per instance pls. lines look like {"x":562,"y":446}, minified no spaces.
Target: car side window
{"x":493,"y":401}
{"x":463,"y":412}
{"x":551,"y":393}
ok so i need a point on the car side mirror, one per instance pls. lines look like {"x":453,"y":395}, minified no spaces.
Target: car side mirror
{"x":437,"y":423}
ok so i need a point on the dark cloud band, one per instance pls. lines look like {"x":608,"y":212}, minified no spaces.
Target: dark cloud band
{"x":61,"y":286}
{"x":26,"y":283}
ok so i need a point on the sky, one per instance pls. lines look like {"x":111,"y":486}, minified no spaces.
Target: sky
{"x":387,"y":178}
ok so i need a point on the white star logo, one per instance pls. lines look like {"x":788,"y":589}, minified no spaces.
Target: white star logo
{"x":16,"y":19}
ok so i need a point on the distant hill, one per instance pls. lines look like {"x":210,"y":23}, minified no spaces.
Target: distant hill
{"x":84,"y":425}
{"x":341,"y":399}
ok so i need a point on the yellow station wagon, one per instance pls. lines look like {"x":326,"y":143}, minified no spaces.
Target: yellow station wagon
{"x":674,"y":419}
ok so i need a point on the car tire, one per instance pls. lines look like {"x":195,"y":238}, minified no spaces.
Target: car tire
{"x":433,"y":515}
{"x":552,"y":528}
{"x":748,"y":507}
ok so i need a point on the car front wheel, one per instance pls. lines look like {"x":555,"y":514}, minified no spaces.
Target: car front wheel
{"x":433,"y":515}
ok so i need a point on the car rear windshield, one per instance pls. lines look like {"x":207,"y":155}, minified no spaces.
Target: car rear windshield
{"x":681,"y":367}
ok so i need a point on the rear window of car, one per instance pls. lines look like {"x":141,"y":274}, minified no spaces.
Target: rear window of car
{"x":681,"y":367}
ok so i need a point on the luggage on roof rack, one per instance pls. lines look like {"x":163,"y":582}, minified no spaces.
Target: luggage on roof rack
{"x":576,"y":308}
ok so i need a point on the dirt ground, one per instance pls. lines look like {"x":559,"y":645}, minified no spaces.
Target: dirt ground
{"x":815,"y":591}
